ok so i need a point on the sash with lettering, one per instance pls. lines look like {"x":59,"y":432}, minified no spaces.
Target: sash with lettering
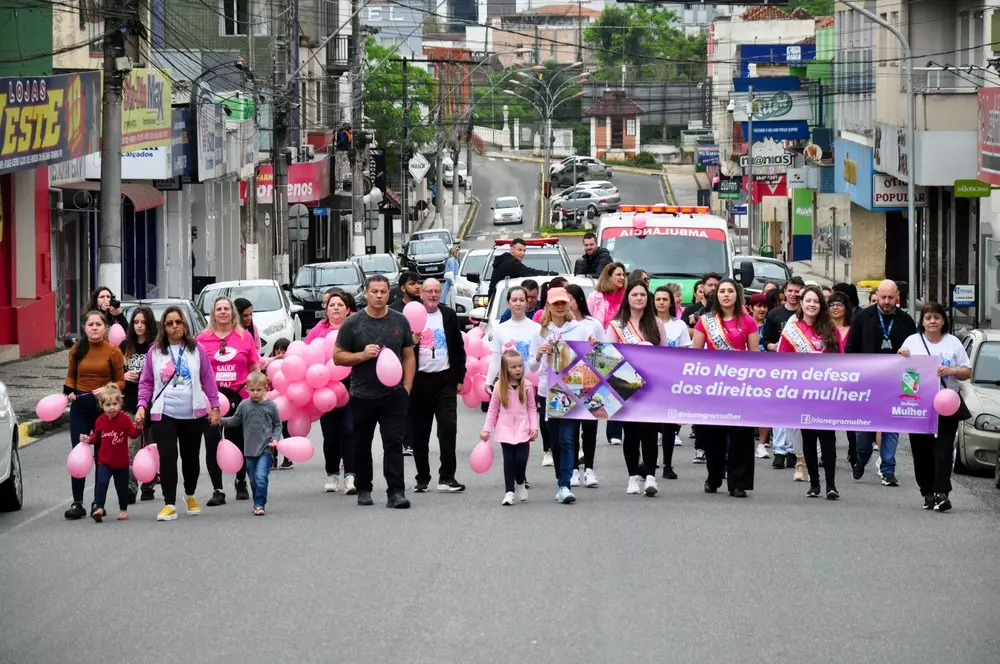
{"x":801,"y":340}
{"x":715,"y":333}
{"x":630,"y":334}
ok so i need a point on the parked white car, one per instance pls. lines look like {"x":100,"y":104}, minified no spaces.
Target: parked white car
{"x":11,"y":481}
{"x":449,"y":173}
{"x":274,"y":315}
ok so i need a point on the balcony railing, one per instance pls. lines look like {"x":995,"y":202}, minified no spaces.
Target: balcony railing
{"x":945,"y":80}
{"x":338,"y":54}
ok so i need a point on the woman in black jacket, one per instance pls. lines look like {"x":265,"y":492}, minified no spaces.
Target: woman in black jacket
{"x":104,"y":300}
{"x":139,"y":337}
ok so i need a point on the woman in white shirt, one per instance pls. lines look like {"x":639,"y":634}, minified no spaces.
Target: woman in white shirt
{"x":637,"y":324}
{"x":676,"y":331}
{"x":932,"y":454}
{"x":588,"y":428}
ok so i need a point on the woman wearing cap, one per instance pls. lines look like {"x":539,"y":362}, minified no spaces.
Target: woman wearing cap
{"x":558,"y":325}
{"x":727,"y":328}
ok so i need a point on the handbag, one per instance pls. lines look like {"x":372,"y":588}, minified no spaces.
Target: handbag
{"x":963,"y":413}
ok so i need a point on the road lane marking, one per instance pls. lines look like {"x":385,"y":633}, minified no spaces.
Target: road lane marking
{"x":506,"y":159}
{"x":38,"y":516}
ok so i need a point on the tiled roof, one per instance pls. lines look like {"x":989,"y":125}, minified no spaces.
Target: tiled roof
{"x":564,"y":10}
{"x":807,"y":40}
{"x":615,"y":104}
{"x":800,"y":14}
{"x":765,"y":13}
{"x":824,"y":22}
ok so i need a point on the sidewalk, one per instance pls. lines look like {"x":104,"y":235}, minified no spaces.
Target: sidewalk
{"x":28,"y":381}
{"x":804,"y":269}
{"x":682,"y":185}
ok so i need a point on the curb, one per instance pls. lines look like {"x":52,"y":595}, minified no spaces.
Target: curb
{"x":671,"y":199}
{"x":561,"y":234}
{"x":470,"y":215}
{"x":632,"y":170}
{"x":29,"y":432}
{"x":515,"y":157}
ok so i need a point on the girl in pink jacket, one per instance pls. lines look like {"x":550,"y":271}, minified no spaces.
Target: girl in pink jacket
{"x":513,"y":421}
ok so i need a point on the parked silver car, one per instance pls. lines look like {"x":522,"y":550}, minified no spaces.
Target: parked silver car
{"x":574,"y":170}
{"x":592,"y":201}
{"x":594,"y":184}
{"x":977,"y":444}
{"x":11,"y":481}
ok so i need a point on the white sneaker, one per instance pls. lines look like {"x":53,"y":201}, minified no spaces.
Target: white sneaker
{"x":699,"y":456}
{"x":575,"y":480}
{"x":508,"y":498}
{"x":677,"y":440}
{"x":633,"y":485}
{"x":616,"y":441}
{"x":547,"y":459}
{"x":579,"y":456}
{"x":762,"y":452}
{"x":332,"y":484}
{"x":349,"y":488}
{"x":650,"y":488}
{"x":522,"y":493}
{"x":589,"y":478}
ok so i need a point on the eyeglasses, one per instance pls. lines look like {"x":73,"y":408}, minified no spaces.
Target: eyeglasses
{"x":173,"y":322}
{"x":836,"y":304}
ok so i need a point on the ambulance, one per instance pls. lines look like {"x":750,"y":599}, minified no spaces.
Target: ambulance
{"x":675,"y":244}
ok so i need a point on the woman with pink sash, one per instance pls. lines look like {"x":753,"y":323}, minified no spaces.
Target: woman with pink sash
{"x":812,"y":330}
{"x":727,"y":327}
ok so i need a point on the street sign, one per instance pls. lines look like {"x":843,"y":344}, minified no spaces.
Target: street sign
{"x":738,"y":209}
{"x":972,"y":189}
{"x":729,"y":189}
{"x":321,"y":212}
{"x":418,"y":166}
{"x":298,"y":223}
{"x":267,"y":220}
{"x":963,"y":295}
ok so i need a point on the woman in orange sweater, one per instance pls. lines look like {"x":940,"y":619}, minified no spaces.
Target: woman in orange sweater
{"x":93,"y":363}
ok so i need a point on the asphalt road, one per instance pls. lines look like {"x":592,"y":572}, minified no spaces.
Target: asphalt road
{"x":458,"y":578}
{"x":640,"y":189}
{"x":498,"y":176}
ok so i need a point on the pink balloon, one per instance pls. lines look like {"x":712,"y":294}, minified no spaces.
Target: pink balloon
{"x":416,"y":315}
{"x":299,"y":425}
{"x":388,"y":368}
{"x":947,"y":402}
{"x":272,"y":394}
{"x":294,"y":367}
{"x":285,"y":407}
{"x":471,"y":364}
{"x":479,"y":387}
{"x":337,"y":371}
{"x":325,"y":399}
{"x":280,"y":382}
{"x":481,"y":459}
{"x":315,"y":353}
{"x":229,"y":457}
{"x":343,"y":396}
{"x":224,"y":404}
{"x":116,"y":334}
{"x":476,"y":333}
{"x":332,"y":336}
{"x":50,"y":408}
{"x":317,"y":376}
{"x":299,"y":394}
{"x":469,"y":397}
{"x":295,"y":348}
{"x":483,"y":365}
{"x":639,"y":221}
{"x":467,"y":384}
{"x":145,"y":465}
{"x":531,"y":377}
{"x":81,"y":460}
{"x":297,"y":448}
{"x":274,"y":367}
{"x":155,"y":451}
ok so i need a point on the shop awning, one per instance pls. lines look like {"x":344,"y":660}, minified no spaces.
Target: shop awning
{"x":143,"y":196}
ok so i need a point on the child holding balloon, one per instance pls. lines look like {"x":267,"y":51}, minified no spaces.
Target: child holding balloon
{"x":258,"y":416}
{"x":513,"y":420}
{"x":111,"y":434}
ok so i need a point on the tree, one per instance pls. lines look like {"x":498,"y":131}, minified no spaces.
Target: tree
{"x":383,"y":102}
{"x":814,"y":7}
{"x":646,"y":39}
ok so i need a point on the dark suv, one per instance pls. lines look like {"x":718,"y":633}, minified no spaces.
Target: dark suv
{"x":312,"y":280}
{"x":425,"y":257}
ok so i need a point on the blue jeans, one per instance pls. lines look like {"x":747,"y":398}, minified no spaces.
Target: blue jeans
{"x":887,"y":450}
{"x":258,"y":468}
{"x":614,"y":430}
{"x":562,"y":436}
{"x":781,"y":444}
{"x":104,"y":476}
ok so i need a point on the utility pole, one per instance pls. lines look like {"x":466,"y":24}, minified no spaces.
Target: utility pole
{"x":253,"y":267}
{"x":109,"y":273}
{"x":750,"y":182}
{"x":279,"y":158}
{"x":404,"y":225}
{"x":439,"y":171}
{"x":357,"y":128}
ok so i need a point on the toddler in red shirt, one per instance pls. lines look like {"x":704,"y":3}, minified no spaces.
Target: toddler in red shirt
{"x":111,"y":433}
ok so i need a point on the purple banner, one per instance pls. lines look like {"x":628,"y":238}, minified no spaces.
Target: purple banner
{"x":785,"y":390}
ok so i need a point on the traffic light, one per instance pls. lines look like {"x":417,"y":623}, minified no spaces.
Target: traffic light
{"x":343,"y":139}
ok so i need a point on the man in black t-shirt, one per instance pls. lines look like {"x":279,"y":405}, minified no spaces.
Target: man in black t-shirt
{"x":362,"y":337}
{"x":696,"y":309}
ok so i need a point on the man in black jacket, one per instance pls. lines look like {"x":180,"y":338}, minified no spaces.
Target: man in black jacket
{"x":594,"y":258}
{"x":509,"y":265}
{"x":440,"y":372}
{"x":881,"y":328}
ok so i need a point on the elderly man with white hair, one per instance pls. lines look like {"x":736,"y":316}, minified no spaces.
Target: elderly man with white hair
{"x":881,"y":328}
{"x":440,"y":371}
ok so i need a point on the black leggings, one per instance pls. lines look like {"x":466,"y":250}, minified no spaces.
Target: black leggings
{"x":338,"y":440}
{"x":640,"y":436}
{"x":828,"y":445}
{"x":588,"y":432}
{"x":515,"y":463}
{"x":737,"y":464}
{"x":212,"y":437}
{"x":670,"y":431}
{"x":933,"y":457}
{"x":543,"y":429}
{"x":183,"y":436}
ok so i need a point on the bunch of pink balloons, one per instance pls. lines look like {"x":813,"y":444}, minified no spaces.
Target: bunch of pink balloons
{"x":477,"y":365}
{"x":307,"y":383}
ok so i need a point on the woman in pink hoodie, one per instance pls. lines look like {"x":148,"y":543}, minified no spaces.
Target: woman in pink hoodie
{"x":513,"y":421}
{"x":608,"y":294}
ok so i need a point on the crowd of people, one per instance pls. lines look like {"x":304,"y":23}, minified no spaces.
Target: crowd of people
{"x":163,"y":385}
